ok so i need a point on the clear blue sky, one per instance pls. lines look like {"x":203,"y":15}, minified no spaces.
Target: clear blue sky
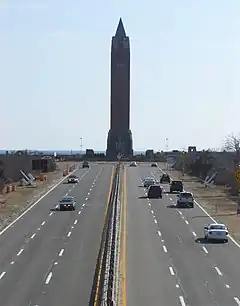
{"x":55,"y":63}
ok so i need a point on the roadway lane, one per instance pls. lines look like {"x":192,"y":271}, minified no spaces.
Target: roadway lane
{"x":149,"y":281}
{"x":225,"y":256}
{"x":24,"y":280}
{"x":200,"y":277}
{"x":18,"y":235}
{"x":76,"y":267}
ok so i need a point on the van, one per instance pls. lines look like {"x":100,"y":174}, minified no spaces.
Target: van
{"x":155,"y":192}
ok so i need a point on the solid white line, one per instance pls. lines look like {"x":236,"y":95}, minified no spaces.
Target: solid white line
{"x":75,"y":222}
{"x":194,"y":234}
{"x":34,"y":204}
{"x":79,"y":212}
{"x":48,"y":278}
{"x":69,"y":234}
{"x":2,"y":274}
{"x":159,"y":233}
{"x":237,"y":300}
{"x":186,"y":222}
{"x":171,"y":271}
{"x":205,"y":250}
{"x":155,"y":221}
{"x":181,"y":299}
{"x":218,"y":271}
{"x":33,"y":235}
{"x":61,"y":252}
{"x":20,"y":252}
{"x":164,"y":249}
{"x":43,"y":223}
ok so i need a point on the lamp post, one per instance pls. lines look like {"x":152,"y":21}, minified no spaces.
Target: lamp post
{"x":81,"y":146}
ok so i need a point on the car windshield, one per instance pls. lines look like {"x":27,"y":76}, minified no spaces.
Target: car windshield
{"x":186,"y":195}
{"x":217,"y":226}
{"x":176,"y":183}
{"x":66,"y":200}
{"x":72,"y":176}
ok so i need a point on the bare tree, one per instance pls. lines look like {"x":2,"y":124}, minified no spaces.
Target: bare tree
{"x":232,"y":144}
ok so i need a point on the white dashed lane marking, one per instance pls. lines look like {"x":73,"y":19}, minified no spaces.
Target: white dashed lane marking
{"x":155,"y":221}
{"x":50,"y":214}
{"x":43,"y":223}
{"x":152,"y":212}
{"x":61,"y":252}
{"x":186,"y":222}
{"x":48,"y":279}
{"x":227,"y":286}
{"x":194,"y":234}
{"x":181,"y":299}
{"x":69,"y":234}
{"x":2,"y":274}
{"x":83,"y":204}
{"x":171,"y":271}
{"x":159,"y":233}
{"x":164,"y":249}
{"x":33,"y":235}
{"x":12,"y":263}
{"x":20,"y":252}
{"x":79,"y":212}
{"x":236,"y":299}
{"x":205,"y":250}
{"x":75,"y":222}
{"x":218,"y":271}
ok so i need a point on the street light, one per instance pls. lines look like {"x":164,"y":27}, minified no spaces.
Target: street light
{"x":81,"y":146}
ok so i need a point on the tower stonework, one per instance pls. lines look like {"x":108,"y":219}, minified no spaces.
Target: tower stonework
{"x":120,"y":136}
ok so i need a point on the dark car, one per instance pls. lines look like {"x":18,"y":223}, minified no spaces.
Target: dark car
{"x":155,"y":192}
{"x":165,"y":178}
{"x":73,"y":179}
{"x":85,"y":164}
{"x":67,"y":203}
{"x":176,"y":186}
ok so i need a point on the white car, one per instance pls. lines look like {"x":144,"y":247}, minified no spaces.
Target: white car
{"x":185,"y":199}
{"x":148,"y":182}
{"x":216,"y":231}
{"x":133,"y":164}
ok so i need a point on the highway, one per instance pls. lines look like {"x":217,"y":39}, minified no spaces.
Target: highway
{"x":165,"y":261}
{"x":48,"y":257}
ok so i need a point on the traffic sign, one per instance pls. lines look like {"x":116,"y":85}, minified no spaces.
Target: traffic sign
{"x":237,"y":175}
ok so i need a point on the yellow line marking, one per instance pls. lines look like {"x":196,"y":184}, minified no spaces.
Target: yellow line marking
{"x":105,"y":221}
{"x":124,"y":279}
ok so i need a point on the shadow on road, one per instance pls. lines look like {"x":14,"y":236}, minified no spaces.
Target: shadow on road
{"x":202,"y":240}
{"x":55,"y":209}
{"x":177,"y":207}
{"x":143,"y":197}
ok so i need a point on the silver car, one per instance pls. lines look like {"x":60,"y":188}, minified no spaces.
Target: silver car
{"x":148,"y":182}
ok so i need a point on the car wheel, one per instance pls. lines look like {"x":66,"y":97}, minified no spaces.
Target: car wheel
{"x":73,"y":208}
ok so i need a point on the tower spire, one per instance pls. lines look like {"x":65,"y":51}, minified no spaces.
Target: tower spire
{"x":120,"y":29}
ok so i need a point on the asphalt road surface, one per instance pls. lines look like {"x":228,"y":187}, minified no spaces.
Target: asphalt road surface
{"x":167,"y":263}
{"x":48,"y":257}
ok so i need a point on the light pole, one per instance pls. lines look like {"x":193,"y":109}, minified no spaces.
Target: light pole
{"x":167,"y":152}
{"x":81,"y":146}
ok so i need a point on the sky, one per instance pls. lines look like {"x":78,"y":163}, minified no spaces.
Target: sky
{"x":55,"y":72}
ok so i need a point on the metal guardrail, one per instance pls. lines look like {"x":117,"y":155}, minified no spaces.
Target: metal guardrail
{"x":104,"y":288}
{"x":110,"y":248}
